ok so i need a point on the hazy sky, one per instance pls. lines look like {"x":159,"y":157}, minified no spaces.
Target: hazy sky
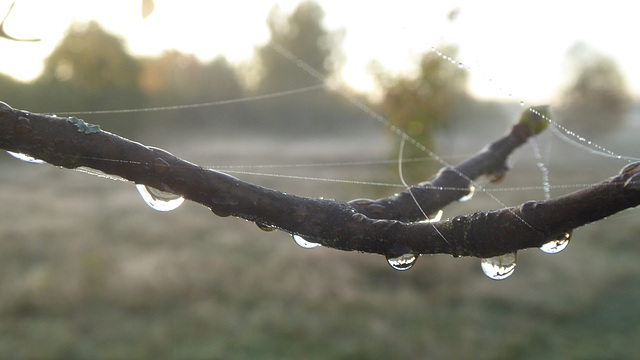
{"x":512,"y":47}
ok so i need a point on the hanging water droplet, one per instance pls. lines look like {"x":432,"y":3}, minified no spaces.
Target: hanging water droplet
{"x":265,"y":227}
{"x":437,"y":217}
{"x":25,"y":157}
{"x":558,"y":244}
{"x":499,"y":267}
{"x":402,"y":262}
{"x":159,"y":200}
{"x":460,"y":66}
{"x":472,"y":190}
{"x":521,"y":103}
{"x":302,"y":242}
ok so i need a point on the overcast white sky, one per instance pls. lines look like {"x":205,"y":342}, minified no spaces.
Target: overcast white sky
{"x":512,"y":47}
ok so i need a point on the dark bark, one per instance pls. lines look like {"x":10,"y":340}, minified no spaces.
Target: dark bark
{"x":380,"y":226}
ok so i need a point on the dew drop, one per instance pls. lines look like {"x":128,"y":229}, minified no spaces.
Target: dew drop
{"x":302,"y":242}
{"x":499,"y":267}
{"x":522,"y":103}
{"x":23,"y":125}
{"x":159,"y":200}
{"x":25,"y":157}
{"x":402,"y":262}
{"x":265,"y":227}
{"x":437,"y":217}
{"x":460,"y":66}
{"x":468,"y":197}
{"x":160,"y":165}
{"x":4,"y":108}
{"x":558,"y":244}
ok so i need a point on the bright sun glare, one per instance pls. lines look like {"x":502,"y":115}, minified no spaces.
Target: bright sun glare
{"x":510,"y":47}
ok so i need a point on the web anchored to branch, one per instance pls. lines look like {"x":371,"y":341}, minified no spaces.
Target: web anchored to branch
{"x":400,"y":227}
{"x":385,"y":226}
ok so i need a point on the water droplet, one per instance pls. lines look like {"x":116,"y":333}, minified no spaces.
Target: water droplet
{"x":522,"y":103}
{"x":460,"y":66}
{"x":159,"y":200}
{"x":160,"y":166}
{"x":357,"y":217}
{"x":25,"y":157}
{"x":402,"y":262}
{"x":499,"y":267}
{"x":558,"y":244}
{"x":304,"y":243}
{"x":4,"y":107}
{"x":437,"y":217}
{"x":23,"y":125}
{"x":468,"y":197}
{"x":265,"y":227}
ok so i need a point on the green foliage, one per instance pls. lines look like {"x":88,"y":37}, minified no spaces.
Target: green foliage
{"x":597,"y":98}
{"x":422,"y":103}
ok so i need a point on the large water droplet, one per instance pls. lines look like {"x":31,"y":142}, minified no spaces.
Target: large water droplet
{"x":558,"y":244}
{"x":304,"y":243}
{"x":468,"y":197}
{"x":159,"y":200}
{"x":499,"y":267}
{"x":25,"y":157}
{"x":402,"y":262}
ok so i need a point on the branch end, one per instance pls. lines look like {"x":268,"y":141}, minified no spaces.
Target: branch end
{"x":536,"y":118}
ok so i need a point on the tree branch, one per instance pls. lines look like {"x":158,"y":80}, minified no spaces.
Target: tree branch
{"x":363,"y":225}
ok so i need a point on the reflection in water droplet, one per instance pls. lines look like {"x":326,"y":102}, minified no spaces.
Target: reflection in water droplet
{"x":468,"y":197}
{"x":402,"y":262}
{"x":499,"y":267}
{"x":25,"y":157}
{"x":159,"y":200}
{"x":265,"y":227}
{"x":437,"y":217}
{"x":558,"y":244}
{"x":304,"y":243}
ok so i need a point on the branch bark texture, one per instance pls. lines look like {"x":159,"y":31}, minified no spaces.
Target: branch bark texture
{"x":386,"y":226}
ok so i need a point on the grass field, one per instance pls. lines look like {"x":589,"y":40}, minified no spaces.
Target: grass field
{"x":88,"y":271}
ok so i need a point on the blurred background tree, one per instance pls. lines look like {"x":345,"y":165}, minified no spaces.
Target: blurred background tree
{"x":304,"y":35}
{"x":422,"y":103}
{"x":175,"y":78}
{"x":90,"y":69}
{"x":596,"y":99}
